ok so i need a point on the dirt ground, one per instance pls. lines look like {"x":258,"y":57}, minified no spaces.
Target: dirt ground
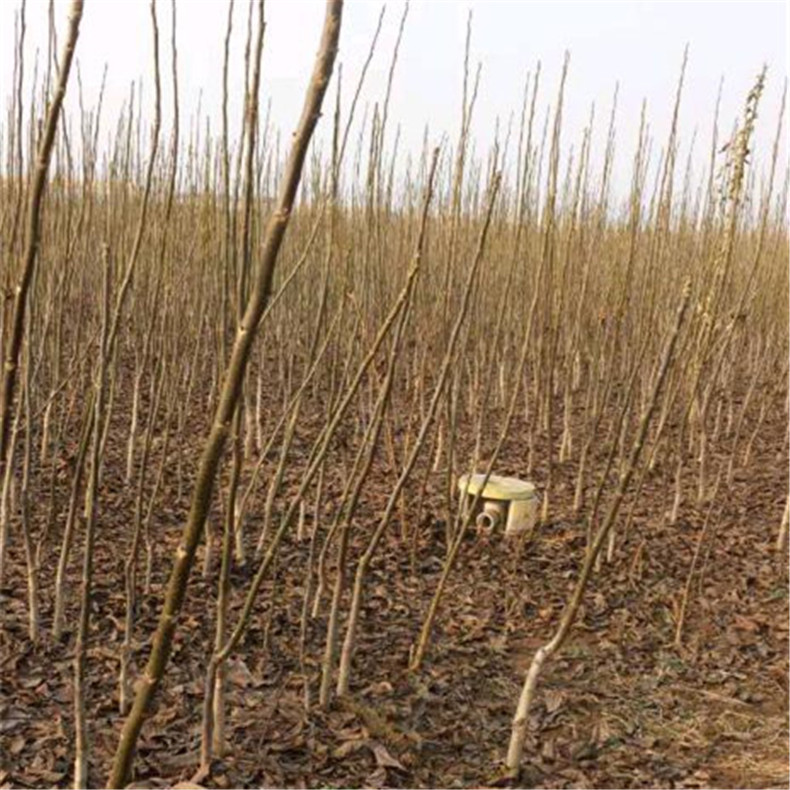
{"x":619,"y":707}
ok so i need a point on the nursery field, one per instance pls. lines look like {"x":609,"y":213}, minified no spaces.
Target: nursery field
{"x":243,"y":380}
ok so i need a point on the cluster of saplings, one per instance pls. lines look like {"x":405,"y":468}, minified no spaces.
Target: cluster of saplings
{"x":193,"y":304}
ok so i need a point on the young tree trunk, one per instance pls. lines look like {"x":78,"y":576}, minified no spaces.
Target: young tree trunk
{"x":81,"y":748}
{"x":14,"y":344}
{"x":120,"y":773}
{"x":519,"y":729}
{"x":781,"y":539}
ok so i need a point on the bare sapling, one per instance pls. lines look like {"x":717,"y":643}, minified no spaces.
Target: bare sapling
{"x":67,"y":539}
{"x":7,"y":503}
{"x":781,"y":538}
{"x":363,"y":564}
{"x":81,"y":747}
{"x":31,"y":555}
{"x":368,"y":444}
{"x":228,"y":401}
{"x":684,"y":602}
{"x":13,"y":345}
{"x":233,"y":516}
{"x":519,"y":729}
{"x":465,"y":515}
{"x":317,"y":457}
{"x":130,"y":565}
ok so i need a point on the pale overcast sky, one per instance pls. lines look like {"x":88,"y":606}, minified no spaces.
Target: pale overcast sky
{"x":639,"y":44}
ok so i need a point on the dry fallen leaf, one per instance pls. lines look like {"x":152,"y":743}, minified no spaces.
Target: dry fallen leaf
{"x":239,"y":674}
{"x":349,"y":747}
{"x":554,"y":700}
{"x":383,"y":758}
{"x":377,"y":779}
{"x":379,"y":689}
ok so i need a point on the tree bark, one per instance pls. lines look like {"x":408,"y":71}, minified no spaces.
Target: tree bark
{"x":228,"y":400}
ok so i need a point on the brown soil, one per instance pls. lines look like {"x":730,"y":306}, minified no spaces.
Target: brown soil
{"x":619,"y":707}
